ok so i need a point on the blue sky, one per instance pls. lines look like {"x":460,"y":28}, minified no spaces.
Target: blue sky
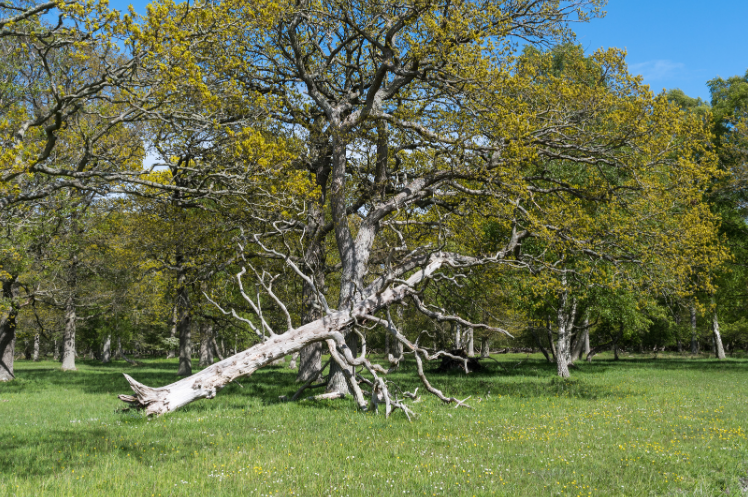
{"x":675,"y":43}
{"x":672,"y":43}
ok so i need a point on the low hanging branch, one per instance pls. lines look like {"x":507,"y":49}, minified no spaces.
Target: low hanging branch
{"x":208,"y":382}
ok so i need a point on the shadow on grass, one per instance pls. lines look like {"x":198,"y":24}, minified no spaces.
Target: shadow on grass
{"x":510,"y":374}
{"x":56,"y":451}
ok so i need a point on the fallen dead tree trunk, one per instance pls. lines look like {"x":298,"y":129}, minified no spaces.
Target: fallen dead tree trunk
{"x":208,"y":382}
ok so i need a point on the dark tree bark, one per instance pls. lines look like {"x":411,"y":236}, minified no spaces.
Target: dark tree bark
{"x":617,"y":339}
{"x":538,"y":342}
{"x":551,"y":342}
{"x":8,"y":333}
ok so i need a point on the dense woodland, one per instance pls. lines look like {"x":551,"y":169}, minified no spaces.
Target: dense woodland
{"x":344,"y":181}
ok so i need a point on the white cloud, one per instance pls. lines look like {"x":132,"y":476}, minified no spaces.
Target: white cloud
{"x":654,"y":70}
{"x":150,"y":159}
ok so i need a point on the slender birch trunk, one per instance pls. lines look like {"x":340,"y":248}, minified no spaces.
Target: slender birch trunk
{"x":718,"y":347}
{"x":562,"y":349}
{"x":68,"y":344}
{"x":457,"y":336}
{"x":37,"y":344}
{"x":106,"y":350}
{"x":470,"y":343}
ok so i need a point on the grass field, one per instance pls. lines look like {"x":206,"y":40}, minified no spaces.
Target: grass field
{"x":639,"y":426}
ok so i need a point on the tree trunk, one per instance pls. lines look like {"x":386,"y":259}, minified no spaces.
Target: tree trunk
{"x":216,"y":350}
{"x":206,"y":352}
{"x":485,"y":353}
{"x":183,"y":319}
{"x":310,"y":357}
{"x":118,"y":354}
{"x":56,"y":351}
{"x":470,"y":343}
{"x":354,"y":253}
{"x":586,"y":342}
{"x":37,"y":344}
{"x":457,"y":336}
{"x":172,"y":353}
{"x":338,"y":379}
{"x":68,"y":347}
{"x":583,"y":336}
{"x":616,"y":339}
{"x":719,"y":349}
{"x":310,"y":363}
{"x":564,"y":325}
{"x":551,"y":342}
{"x":294,"y":360}
{"x":534,"y":331}
{"x":7,"y":333}
{"x":694,"y":338}
{"x":106,"y":350}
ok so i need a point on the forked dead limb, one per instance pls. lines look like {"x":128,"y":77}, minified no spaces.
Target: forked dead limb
{"x":208,"y":382}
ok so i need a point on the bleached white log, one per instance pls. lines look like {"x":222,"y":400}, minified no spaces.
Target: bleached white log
{"x":208,"y":382}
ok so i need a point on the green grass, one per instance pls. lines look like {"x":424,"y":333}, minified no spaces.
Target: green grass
{"x":670,"y":426}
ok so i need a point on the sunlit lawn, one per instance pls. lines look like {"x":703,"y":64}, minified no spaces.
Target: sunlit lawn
{"x":670,"y":426}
